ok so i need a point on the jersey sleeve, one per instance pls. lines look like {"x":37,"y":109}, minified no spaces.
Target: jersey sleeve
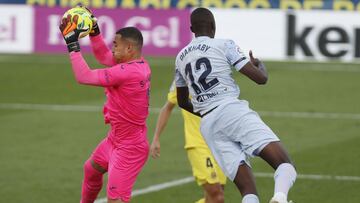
{"x":101,"y":51}
{"x":179,"y":79}
{"x":83,"y":74}
{"x":172,"y":94}
{"x":234,"y":55}
{"x":99,"y":77}
{"x":112,"y":76}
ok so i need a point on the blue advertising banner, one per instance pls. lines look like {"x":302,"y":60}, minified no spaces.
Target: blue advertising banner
{"x":12,"y":1}
{"x":347,"y":5}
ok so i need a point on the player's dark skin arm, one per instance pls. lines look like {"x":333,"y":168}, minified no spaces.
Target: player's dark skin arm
{"x":184,"y":101}
{"x":255,"y":70}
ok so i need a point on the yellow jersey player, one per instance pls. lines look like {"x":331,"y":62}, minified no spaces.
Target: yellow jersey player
{"x":205,"y":169}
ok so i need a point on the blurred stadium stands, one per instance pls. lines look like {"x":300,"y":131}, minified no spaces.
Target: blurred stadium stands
{"x":274,"y":29}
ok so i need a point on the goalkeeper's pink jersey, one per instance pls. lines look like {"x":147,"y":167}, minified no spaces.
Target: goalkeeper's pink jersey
{"x":127,"y":88}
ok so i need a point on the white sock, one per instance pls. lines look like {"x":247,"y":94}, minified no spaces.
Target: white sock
{"x":250,"y":198}
{"x":285,"y":176}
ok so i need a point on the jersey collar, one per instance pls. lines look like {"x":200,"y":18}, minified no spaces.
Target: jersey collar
{"x":201,"y":38}
{"x":140,"y":60}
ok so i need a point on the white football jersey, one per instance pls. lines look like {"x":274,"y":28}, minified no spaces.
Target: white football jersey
{"x":205,"y":67}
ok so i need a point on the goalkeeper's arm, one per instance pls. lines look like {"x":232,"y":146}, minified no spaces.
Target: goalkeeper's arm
{"x":101,"y":51}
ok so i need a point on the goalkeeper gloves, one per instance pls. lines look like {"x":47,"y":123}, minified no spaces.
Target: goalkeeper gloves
{"x":95,"y":31}
{"x":70,"y":32}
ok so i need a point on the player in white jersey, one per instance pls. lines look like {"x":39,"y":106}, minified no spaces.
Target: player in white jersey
{"x":233,"y":131}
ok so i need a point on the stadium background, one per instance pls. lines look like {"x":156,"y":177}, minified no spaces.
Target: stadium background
{"x":49,"y":124}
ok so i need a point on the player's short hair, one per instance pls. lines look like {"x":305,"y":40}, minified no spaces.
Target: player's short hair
{"x":202,"y":19}
{"x":133,"y":35}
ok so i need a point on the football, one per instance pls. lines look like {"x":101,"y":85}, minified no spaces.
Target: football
{"x":84,"y":23}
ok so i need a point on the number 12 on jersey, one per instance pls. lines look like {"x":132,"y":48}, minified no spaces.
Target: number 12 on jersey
{"x":201,"y":85}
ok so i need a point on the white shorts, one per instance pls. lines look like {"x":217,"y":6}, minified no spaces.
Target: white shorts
{"x":234,"y":133}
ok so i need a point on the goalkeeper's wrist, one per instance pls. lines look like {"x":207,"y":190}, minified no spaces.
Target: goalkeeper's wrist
{"x":95,"y":31}
{"x":73,"y":46}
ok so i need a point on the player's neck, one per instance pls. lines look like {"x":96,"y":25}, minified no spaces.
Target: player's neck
{"x":136,"y":56}
{"x":132,"y":57}
{"x":203,"y":35}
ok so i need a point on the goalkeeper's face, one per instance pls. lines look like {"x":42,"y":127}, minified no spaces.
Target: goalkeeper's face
{"x":123,"y":50}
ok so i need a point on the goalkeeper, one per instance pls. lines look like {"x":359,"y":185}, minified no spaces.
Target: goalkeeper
{"x":126,"y":80}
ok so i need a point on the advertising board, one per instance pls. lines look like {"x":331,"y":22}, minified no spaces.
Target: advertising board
{"x":16,"y":29}
{"x":164,"y":32}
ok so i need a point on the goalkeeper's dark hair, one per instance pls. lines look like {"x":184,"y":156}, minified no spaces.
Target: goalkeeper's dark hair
{"x":133,"y":35}
{"x":202,"y":21}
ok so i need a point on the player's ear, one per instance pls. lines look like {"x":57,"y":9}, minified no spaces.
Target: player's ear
{"x":213,"y":26}
{"x":213,"y":29}
{"x":192,"y":30}
{"x":130,"y":48}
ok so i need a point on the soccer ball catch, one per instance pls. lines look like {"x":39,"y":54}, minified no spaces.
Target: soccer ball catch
{"x":84,"y":23}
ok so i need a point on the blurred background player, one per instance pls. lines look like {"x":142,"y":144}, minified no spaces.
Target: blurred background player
{"x":205,"y":169}
{"x":231,"y":129}
{"x":126,"y":80}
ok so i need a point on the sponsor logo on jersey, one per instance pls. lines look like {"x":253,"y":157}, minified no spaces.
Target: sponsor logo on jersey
{"x":204,"y":97}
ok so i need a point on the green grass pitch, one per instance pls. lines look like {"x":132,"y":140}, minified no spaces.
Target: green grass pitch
{"x":42,"y":151}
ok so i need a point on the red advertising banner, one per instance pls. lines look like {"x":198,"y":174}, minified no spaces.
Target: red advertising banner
{"x":165,"y":32}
